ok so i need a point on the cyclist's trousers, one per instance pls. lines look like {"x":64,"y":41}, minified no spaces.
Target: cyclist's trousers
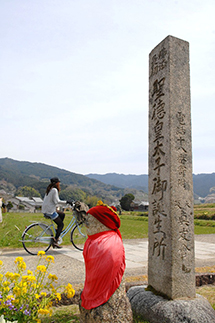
{"x":60,"y":224}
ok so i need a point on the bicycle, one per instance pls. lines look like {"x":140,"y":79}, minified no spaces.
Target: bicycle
{"x":38,"y":236}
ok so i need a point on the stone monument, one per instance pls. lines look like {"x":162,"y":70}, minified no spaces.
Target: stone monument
{"x":171,"y":259}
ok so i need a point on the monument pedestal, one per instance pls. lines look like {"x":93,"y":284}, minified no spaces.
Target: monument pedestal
{"x":157,"y":309}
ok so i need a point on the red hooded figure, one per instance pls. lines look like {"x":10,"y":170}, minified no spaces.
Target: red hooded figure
{"x":104,"y":257}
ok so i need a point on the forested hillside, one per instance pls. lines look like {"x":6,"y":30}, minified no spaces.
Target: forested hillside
{"x":15,"y":174}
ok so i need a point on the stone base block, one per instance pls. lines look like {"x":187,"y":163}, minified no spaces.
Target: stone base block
{"x":156,"y":309}
{"x":116,"y":310}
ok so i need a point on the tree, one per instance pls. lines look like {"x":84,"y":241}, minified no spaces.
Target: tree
{"x":9,"y":205}
{"x":126,"y":200}
{"x":27,"y":191}
{"x":72,"y":194}
{"x":91,"y":201}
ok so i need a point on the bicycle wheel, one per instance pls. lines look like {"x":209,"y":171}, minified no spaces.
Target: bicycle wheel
{"x":79,"y":236}
{"x":37,"y":237}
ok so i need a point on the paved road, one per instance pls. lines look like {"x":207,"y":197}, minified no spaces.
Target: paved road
{"x":69,"y":262}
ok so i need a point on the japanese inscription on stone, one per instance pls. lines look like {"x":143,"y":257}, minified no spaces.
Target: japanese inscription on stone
{"x":171,"y":237}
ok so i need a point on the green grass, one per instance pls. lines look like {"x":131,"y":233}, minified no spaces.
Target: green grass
{"x":204,"y":226}
{"x":15,"y":223}
{"x":208,"y":292}
{"x":65,"y":314}
{"x":133,"y":226}
{"x":204,"y":211}
{"x":70,"y":313}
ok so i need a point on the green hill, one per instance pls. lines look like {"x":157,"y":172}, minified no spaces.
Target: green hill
{"x":110,"y":186}
{"x":37,"y":175}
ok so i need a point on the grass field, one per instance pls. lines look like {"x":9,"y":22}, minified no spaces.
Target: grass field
{"x":204,"y":211}
{"x":133,"y":226}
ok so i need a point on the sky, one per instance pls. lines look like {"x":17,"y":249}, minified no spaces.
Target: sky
{"x":74,"y":80}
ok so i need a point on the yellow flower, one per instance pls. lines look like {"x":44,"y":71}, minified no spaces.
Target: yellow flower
{"x":50,"y":259}
{"x":37,"y":296}
{"x":9,"y":275}
{"x":41,"y":253}
{"x":20,"y":263}
{"x":1,"y":263}
{"x":53,"y":288}
{"x":43,"y":311}
{"x":29,"y":272}
{"x":43,"y":294}
{"x":38,"y":320}
{"x":69,"y":286}
{"x":16,"y":275}
{"x":58,"y":296}
{"x":28,"y":278}
{"x":70,"y":292}
{"x":41,"y":268}
{"x":32,"y":279}
{"x":12,"y":276}
{"x":6,"y":283}
{"x":52,"y":277}
{"x":17,"y":290}
{"x":22,"y":283}
{"x":18,"y":259}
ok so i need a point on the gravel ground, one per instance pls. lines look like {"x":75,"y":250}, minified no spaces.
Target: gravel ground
{"x":205,"y":238}
{"x":70,"y":270}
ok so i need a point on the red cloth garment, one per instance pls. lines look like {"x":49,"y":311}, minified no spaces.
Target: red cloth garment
{"x":104,"y":257}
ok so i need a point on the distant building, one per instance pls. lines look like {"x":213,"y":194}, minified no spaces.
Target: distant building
{"x":25,"y":204}
{"x":139,"y":206}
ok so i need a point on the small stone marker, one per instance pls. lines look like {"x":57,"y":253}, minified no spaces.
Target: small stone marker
{"x":171,"y":260}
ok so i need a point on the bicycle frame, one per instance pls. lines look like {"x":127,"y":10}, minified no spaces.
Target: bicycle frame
{"x":69,"y":227}
{"x":72,"y":223}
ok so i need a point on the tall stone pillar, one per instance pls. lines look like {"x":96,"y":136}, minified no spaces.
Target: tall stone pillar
{"x":171,"y":260}
{"x":171,"y":266}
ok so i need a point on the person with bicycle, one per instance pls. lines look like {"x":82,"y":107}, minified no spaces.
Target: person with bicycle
{"x":50,"y":202}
